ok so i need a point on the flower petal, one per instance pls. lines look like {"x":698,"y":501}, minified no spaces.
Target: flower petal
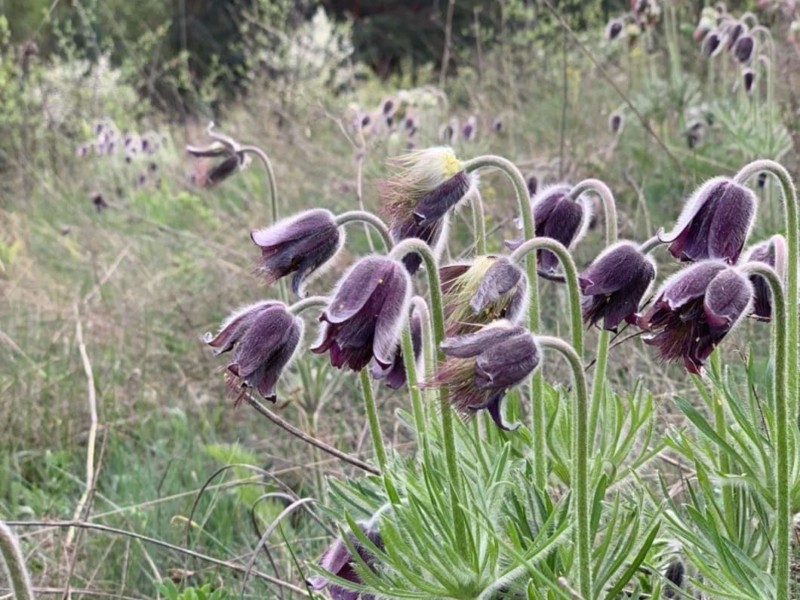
{"x":498,"y":280}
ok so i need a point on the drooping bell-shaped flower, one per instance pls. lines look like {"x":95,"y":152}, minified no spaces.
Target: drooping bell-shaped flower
{"x":614,"y":28}
{"x":773,"y":253}
{"x":559,"y":217}
{"x":715,"y":222}
{"x":395,"y":374}
{"x":364,"y":318}
{"x":743,"y":49}
{"x":734,"y":32}
{"x":712,"y":43}
{"x":230,"y":161}
{"x":674,"y":575}
{"x":300,"y":244}
{"x":477,"y":293}
{"x":481,"y":367}
{"x":263,"y":337}
{"x":338,"y":561}
{"x":694,"y":310}
{"x":615,"y":283}
{"x":417,"y":198}
{"x":616,"y":122}
{"x":748,"y":79}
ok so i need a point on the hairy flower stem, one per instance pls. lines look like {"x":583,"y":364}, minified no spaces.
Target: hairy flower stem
{"x":610,"y":213}
{"x":412,"y":382}
{"x":372,"y":418}
{"x":478,"y":223}
{"x":15,"y":565}
{"x":412,"y":377}
{"x":570,"y":274}
{"x":579,"y":477}
{"x":651,"y":244}
{"x":308,"y":303}
{"x":362,"y":216}
{"x":538,"y":417}
{"x":437,"y":317}
{"x":783,"y":521}
{"x":271,"y":181}
{"x":792,"y":264}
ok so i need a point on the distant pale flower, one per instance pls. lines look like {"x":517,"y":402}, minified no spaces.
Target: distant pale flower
{"x":615,"y":283}
{"x":300,"y":244}
{"x":558,"y":217}
{"x":771,"y":252}
{"x":470,"y":130}
{"x":694,"y":310}
{"x":366,"y":313}
{"x":395,"y":374}
{"x":615,"y":122}
{"x":715,"y":222}
{"x":481,"y":367}
{"x":477,"y":293}
{"x":532,"y":184}
{"x":263,"y":337}
{"x":428,"y":184}
{"x":338,"y":561}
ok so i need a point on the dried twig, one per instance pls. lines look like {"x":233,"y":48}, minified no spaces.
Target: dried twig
{"x":285,"y":425}
{"x":209,"y":559}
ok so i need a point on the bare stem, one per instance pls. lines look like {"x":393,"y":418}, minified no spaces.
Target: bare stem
{"x":579,"y":477}
{"x":538,"y":417}
{"x":362,"y":216}
{"x":15,"y":564}
{"x":299,"y":433}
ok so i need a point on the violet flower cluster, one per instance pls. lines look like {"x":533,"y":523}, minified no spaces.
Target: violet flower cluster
{"x":483,"y":345}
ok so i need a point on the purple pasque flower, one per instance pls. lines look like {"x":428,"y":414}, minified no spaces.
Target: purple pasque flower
{"x":229,"y":161}
{"x":714,"y":223}
{"x":477,"y":293}
{"x":748,"y":79}
{"x":615,"y":283}
{"x":427,"y":185}
{"x":694,"y":311}
{"x":616,"y":121}
{"x":338,"y":561}
{"x":743,"y":49}
{"x":300,"y":244}
{"x":559,"y":217}
{"x":712,"y":43}
{"x":480,"y":367}
{"x":773,"y":253}
{"x":264,"y":337}
{"x":614,"y":29}
{"x":364,"y":318}
{"x":395,"y":374}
